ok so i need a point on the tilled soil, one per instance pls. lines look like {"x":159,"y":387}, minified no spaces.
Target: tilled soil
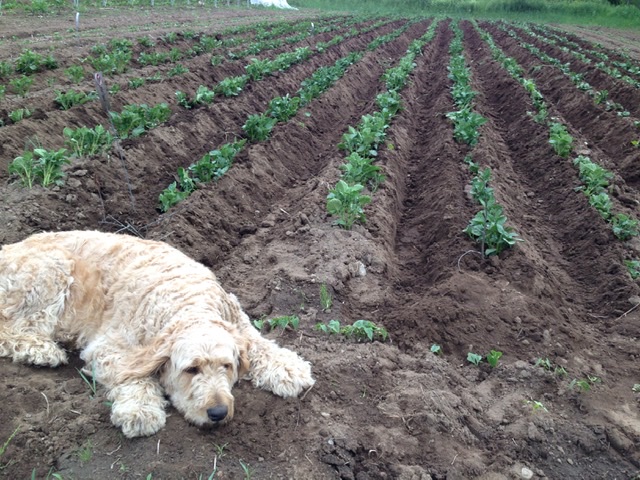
{"x":378,"y":410}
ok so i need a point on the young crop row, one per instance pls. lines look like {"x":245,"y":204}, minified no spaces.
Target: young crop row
{"x":600,"y":97}
{"x":258,"y":69}
{"x":594,"y":178}
{"x":114,"y":58}
{"x":487,"y":227}
{"x":346,"y":201}
{"x":258,"y":126}
{"x":611,"y":68}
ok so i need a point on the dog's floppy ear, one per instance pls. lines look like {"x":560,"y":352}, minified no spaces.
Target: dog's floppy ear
{"x":145,"y":361}
{"x":244,"y":365}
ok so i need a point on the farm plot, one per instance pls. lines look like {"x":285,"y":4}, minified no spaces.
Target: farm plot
{"x":433,"y":400}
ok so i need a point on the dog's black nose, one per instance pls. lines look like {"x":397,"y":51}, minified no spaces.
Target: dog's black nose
{"x":218,"y":413}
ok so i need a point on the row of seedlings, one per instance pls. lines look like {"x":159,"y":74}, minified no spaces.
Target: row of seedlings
{"x":258,"y":69}
{"x":595,"y":179}
{"x":345,"y":200}
{"x":258,"y":126}
{"x":600,"y":97}
{"x":488,"y":226}
{"x":580,"y":53}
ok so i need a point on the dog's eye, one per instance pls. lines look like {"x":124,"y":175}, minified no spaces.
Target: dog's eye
{"x":192,"y":370}
{"x":227,"y":366}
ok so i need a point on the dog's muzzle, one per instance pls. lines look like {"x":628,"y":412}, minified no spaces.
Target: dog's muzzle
{"x":218,"y":413}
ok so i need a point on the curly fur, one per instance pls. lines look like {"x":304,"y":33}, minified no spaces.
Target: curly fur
{"x":148,"y":320}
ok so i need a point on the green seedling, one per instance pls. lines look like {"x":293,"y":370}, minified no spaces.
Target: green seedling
{"x":333,"y":327}
{"x":544,"y":363}
{"x":134,"y":120}
{"x":258,"y":69}
{"x":24,"y":167}
{"x":436,"y":349}
{"x":284,"y":322}
{"x":75,"y":73}
{"x":30,"y":62}
{"x":204,"y":96}
{"x":466,"y":124}
{"x":90,"y":383}
{"x":19,"y":114}
{"x":258,"y":127}
{"x":183,"y":100}
{"x":171,"y":196}
{"x":87,"y":141}
{"x":5,"y":69}
{"x":177,"y":70}
{"x":220,"y":449}
{"x":560,"y":139}
{"x":85,"y":453}
{"x":283,"y":108}
{"x":49,"y":166}
{"x":633,"y":266}
{"x":136,"y":83}
{"x":624,"y":227}
{"x":21,"y":85}
{"x":68,"y":99}
{"x":231,"y":86}
{"x":346,"y":202}
{"x":560,"y":371}
{"x":488,"y":228}
{"x":359,"y":169}
{"x":493,"y":357}
{"x":536,"y":406}
{"x":636,"y":388}
{"x":5,"y":445}
{"x":247,"y":470}
{"x":326,"y":301}
{"x":474,"y":358}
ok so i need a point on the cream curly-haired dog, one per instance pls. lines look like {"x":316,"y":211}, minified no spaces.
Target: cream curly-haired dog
{"x":148,"y":319}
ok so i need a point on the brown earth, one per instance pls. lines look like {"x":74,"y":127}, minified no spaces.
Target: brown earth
{"x":378,"y":410}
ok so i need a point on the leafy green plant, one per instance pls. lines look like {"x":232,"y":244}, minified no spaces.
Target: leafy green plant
{"x":204,"y":96}
{"x":633,"y":266}
{"x":593,"y":176}
{"x":624,"y":227}
{"x":183,"y":100}
{"x":560,"y":139}
{"x":488,"y":227}
{"x":177,"y":70}
{"x":474,"y":358}
{"x":258,"y":69}
{"x":5,"y":69}
{"x":88,"y":141}
{"x":155,"y":58}
{"x":231,"y":86}
{"x":30,"y":62}
{"x":258,"y":127}
{"x":75,"y":73}
{"x":216,"y":60}
{"x":326,"y":300}
{"x":636,"y":388}
{"x":21,"y":85}
{"x":466,"y":124}
{"x":332,"y":327}
{"x":171,"y":196}
{"x":49,"y":166}
{"x":24,"y":167}
{"x":536,"y":406}
{"x":19,"y":114}
{"x":136,"y":82}
{"x":284,"y":322}
{"x":247,"y":470}
{"x":115,"y":62}
{"x":358,"y":169}
{"x":175,"y":54}
{"x":68,"y":99}
{"x":602,"y":203}
{"x":346,"y":202}
{"x":436,"y":349}
{"x":145,"y":42}
{"x":134,"y":120}
{"x":365,"y":139}
{"x":85,"y":453}
{"x":493,"y":357}
{"x":283,"y":108}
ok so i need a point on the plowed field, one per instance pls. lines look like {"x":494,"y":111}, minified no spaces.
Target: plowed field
{"x":391,"y":410}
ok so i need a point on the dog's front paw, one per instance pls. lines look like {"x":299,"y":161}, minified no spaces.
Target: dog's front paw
{"x":43,"y":354}
{"x":137,"y":420}
{"x":286,"y":376}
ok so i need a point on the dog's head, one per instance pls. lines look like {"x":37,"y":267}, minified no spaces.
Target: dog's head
{"x":197,"y":366}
